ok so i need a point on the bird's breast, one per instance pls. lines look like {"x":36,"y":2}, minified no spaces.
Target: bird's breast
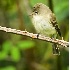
{"x":43,"y":26}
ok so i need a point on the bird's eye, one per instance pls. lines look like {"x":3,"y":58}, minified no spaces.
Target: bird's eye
{"x":36,"y":12}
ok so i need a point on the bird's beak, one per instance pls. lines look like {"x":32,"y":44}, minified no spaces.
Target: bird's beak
{"x":31,"y":14}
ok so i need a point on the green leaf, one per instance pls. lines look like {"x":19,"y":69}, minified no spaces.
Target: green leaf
{"x":8,"y":68}
{"x":26,"y":44}
{"x":3,"y":55}
{"x":7,"y":46}
{"x":15,"y":54}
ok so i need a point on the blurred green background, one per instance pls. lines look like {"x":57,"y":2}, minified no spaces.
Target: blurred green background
{"x":23,"y":53}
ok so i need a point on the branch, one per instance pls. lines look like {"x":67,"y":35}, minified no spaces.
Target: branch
{"x":41,"y":37}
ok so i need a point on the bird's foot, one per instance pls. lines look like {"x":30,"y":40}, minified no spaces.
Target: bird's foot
{"x":38,"y":35}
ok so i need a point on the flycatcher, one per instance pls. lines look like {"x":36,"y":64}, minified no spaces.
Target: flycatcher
{"x":45,"y":23}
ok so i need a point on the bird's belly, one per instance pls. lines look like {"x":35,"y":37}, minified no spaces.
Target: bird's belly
{"x":44,"y":27}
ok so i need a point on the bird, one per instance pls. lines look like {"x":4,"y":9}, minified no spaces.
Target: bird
{"x":45,"y":23}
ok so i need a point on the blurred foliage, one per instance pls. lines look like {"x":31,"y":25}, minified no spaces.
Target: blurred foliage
{"x":61,"y":9}
{"x":8,"y":68}
{"x":13,"y":50}
{"x":15,"y":54}
{"x":22,"y":53}
{"x":25,"y":44}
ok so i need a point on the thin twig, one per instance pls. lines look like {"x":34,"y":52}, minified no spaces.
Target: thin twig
{"x":41,"y":37}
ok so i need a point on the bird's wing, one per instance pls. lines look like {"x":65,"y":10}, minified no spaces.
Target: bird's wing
{"x":54,"y":23}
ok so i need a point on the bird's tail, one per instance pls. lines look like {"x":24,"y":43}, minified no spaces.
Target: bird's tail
{"x":56,"y":50}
